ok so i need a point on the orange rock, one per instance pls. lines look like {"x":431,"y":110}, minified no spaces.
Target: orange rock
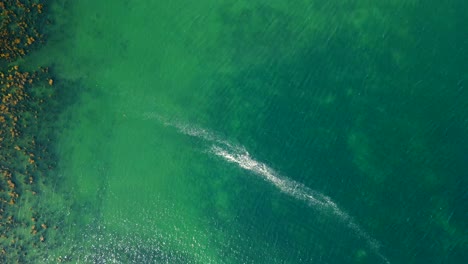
{"x":11,"y":185}
{"x":30,"y":40}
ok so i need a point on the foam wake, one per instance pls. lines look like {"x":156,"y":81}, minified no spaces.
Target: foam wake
{"x":239,"y":155}
{"x":292,"y":188}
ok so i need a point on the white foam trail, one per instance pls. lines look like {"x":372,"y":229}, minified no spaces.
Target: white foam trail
{"x":240,"y":156}
{"x":290,"y":187}
{"x":287,"y":186}
{"x":190,"y":130}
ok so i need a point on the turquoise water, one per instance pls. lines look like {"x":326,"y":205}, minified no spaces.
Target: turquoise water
{"x":263,"y":131}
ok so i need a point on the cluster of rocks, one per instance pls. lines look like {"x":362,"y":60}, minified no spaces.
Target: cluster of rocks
{"x":20,"y":24}
{"x":26,"y":99}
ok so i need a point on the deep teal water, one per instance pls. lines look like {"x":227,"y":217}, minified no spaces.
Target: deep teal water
{"x":263,"y":131}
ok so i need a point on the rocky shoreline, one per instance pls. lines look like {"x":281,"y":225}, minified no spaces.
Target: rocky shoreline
{"x":29,"y":105}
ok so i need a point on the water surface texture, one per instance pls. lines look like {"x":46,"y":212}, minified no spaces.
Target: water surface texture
{"x":263,"y":131}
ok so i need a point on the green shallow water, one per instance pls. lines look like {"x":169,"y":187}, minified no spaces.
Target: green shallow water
{"x":353,"y":115}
